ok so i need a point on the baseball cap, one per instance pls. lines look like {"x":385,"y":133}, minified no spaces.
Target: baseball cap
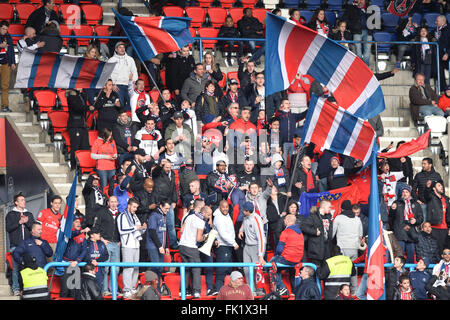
{"x":248,"y":206}
{"x":150,"y":276}
{"x":140,"y":152}
{"x":233,"y":81}
{"x":235,"y":275}
{"x":120,"y":43}
{"x":178,"y":114}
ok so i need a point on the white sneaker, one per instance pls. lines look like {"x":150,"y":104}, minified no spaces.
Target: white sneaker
{"x":127,"y":295}
{"x":133,"y":291}
{"x":232,"y":61}
{"x":226,"y":63}
{"x":196,"y":295}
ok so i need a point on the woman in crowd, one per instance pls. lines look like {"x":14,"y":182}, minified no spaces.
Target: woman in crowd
{"x":104,"y":151}
{"x":107,"y":104}
{"x":319,"y":23}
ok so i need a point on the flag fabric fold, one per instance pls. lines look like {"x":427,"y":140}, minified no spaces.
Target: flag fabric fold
{"x":298,"y":49}
{"x":151,"y":36}
{"x":409,"y":148}
{"x":331,"y":127}
{"x":55,"y":70}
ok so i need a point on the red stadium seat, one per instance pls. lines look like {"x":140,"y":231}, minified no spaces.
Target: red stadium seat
{"x":162,"y":74}
{"x":173,"y":11}
{"x":208,"y":33}
{"x":24,"y":10}
{"x":6,"y":11}
{"x":71,"y":13}
{"x":217,"y":16}
{"x":249,"y":3}
{"x":102,"y":30}
{"x":58,"y":120}
{"x":62,"y":99}
{"x":236,"y":14}
{"x":16,"y":29}
{"x":66,"y":142}
{"x":172,"y":280}
{"x":65,"y":31}
{"x":93,"y":13}
{"x":193,"y":34}
{"x":204,"y":3}
{"x":234,"y":75}
{"x":55,"y":287}
{"x":227,"y":3}
{"x":83,"y":30}
{"x":85,"y":163}
{"x":93,"y":135}
{"x":197,"y":14}
{"x":222,"y":83}
{"x":260,"y":14}
{"x":45,"y":101}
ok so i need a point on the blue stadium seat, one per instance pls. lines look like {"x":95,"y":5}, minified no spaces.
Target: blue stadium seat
{"x":306,"y":14}
{"x":331,"y":17}
{"x":379,"y":3}
{"x":417,"y":18}
{"x":312,"y":4}
{"x":430,"y":19}
{"x":291,"y":3}
{"x":390,"y":21}
{"x":335,"y":5}
{"x":383,"y":36}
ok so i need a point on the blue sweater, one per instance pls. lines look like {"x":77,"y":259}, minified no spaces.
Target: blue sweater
{"x":419,"y":280}
{"x":39,"y":252}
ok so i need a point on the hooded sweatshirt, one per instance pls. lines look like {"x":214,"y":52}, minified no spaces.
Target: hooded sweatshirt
{"x":124,"y":66}
{"x":348,"y":230}
{"x":223,"y":224}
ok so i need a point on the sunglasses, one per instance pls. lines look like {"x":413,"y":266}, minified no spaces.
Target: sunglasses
{"x":446,"y":252}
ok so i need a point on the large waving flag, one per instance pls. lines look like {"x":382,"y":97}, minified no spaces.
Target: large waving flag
{"x":55,"y":70}
{"x":376,"y":250}
{"x":330,"y":126}
{"x":65,"y":231}
{"x":297,"y":49}
{"x":408,"y":148}
{"x":153,"y":35}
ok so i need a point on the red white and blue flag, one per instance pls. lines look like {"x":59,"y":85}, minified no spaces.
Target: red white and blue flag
{"x":154,"y":35}
{"x":55,"y":70}
{"x":376,"y":250}
{"x":297,"y":49}
{"x":330,"y":126}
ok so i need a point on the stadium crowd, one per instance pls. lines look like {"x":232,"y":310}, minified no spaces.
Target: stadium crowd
{"x":201,"y":160}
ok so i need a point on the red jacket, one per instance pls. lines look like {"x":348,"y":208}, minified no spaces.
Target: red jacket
{"x":105,"y":148}
{"x":50,"y":224}
{"x":291,"y":244}
{"x":444,"y":102}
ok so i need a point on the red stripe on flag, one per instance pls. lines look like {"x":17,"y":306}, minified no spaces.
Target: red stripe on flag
{"x":324,"y":122}
{"x":364,"y":141}
{"x":261,"y":248}
{"x":161,"y":39}
{"x":87,"y":73}
{"x":295,"y":50}
{"x":353,"y":84}
{"x":44,"y":70}
{"x":375,"y":271}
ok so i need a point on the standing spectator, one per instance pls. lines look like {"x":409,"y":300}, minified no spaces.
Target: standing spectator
{"x":50,"y":219}
{"x":423,"y":56}
{"x":207,"y":104}
{"x":348,"y":230}
{"x":233,"y":95}
{"x":179,"y":66}
{"x":255,"y":93}
{"x":236,"y":289}
{"x":356,"y":208}
{"x":356,"y":16}
{"x":192,"y":232}
{"x":406,"y":31}
{"x":392,"y":276}
{"x":181,"y":134}
{"x":294,"y":15}
{"x":255,"y":240}
{"x":442,"y":36}
{"x":33,"y":280}
{"x":131,"y":232}
{"x":307,"y":289}
{"x":76,"y":124}
{"x":289,"y":250}
{"x":419,"y":279}
{"x":7,"y":63}
{"x":194,"y":84}
{"x":404,"y":291}
{"x":94,"y":198}
{"x":35,"y":246}
{"x":123,"y":132}
{"x":405,"y":216}
{"x":124,"y":71}
{"x":40,"y":17}
{"x":212,"y":68}
{"x":228,"y":30}
{"x":342,"y":34}
{"x":104,"y":151}
{"x":419,"y":184}
{"x":427,"y":246}
{"x":247,"y":76}
{"x":319,"y":22}
{"x":143,"y":164}
{"x":18,"y":223}
{"x":107,"y":104}
{"x":423,"y":99}
{"x":89,"y":288}
{"x":29,"y":41}
{"x":390,"y":180}
{"x":395,"y":164}
{"x":226,"y":241}
{"x":156,"y":236}
{"x":438,"y":213}
{"x":444,"y":101}
{"x":150,"y":139}
{"x":318,"y":228}
{"x":138,"y":98}
{"x":92,"y":52}
{"x":51,"y":35}
{"x":96,"y":252}
{"x":304,"y":179}
{"x":110,"y":237}
{"x":250,"y":27}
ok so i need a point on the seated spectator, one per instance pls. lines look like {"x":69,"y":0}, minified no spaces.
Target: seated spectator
{"x":107,"y":104}
{"x":236,"y":289}
{"x":228,"y":30}
{"x":250,"y":27}
{"x":149,"y":290}
{"x":294,"y":15}
{"x":89,"y":288}
{"x":344,"y":293}
{"x":179,"y":66}
{"x":341,"y":33}
{"x":40,"y":17}
{"x":104,"y":151}
{"x":423,"y":99}
{"x":444,"y":101}
{"x":207,"y":104}
{"x":427,"y":246}
{"x":319,"y":23}
{"x":51,"y":35}
{"x":423,"y":56}
{"x":307,"y":289}
{"x":124,"y":72}
{"x":404,"y":291}
{"x":194,"y":84}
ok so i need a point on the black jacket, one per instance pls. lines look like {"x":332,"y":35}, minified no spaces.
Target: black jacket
{"x":9,"y":58}
{"x":391,"y":283}
{"x":244,"y":76}
{"x":52,"y":39}
{"x":427,"y":247}
{"x":248,"y":26}
{"x":202,"y":106}
{"x":165,"y":188}
{"x":318,"y":247}
{"x":398,"y":222}
{"x":440,"y":292}
{"x":141,"y":173}
{"x":241,"y":99}
{"x":76,"y":102}
{"x":92,"y":205}
{"x":145,"y":200}
{"x":355,"y":18}
{"x":107,"y":110}
{"x":90,"y":290}
{"x":420,"y":183}
{"x":37,"y":19}
{"x":300,"y":176}
{"x":307,"y":290}
{"x":434,"y":209}
{"x":121,"y":131}
{"x":177,"y":70}
{"x":271,"y":103}
{"x":108,"y":225}
{"x":14,"y":229}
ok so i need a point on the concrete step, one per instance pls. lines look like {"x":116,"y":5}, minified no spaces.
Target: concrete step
{"x":403,"y":77}
{"x":59,"y":177}
{"x":5,"y":291}
{"x":406,"y":132}
{"x":53,"y":167}
{"x":28,"y":127}
{"x":40,"y":147}
{"x":16,"y":116}
{"x":45,"y":157}
{"x":397,"y":90}
{"x":64,"y":188}
{"x":32,"y":137}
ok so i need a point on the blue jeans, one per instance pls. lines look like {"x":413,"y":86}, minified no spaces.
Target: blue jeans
{"x":114,"y":256}
{"x":279,"y":279}
{"x":409,"y":248}
{"x":223,"y":254}
{"x":363,"y":52}
{"x":209,"y":272}
{"x":170,"y":218}
{"x":123,"y":96}
{"x":156,"y":256}
{"x":429,"y":110}
{"x":104,"y":176}
{"x":362,"y":288}
{"x":424,"y":211}
{"x":258,"y":53}
{"x":15,"y":273}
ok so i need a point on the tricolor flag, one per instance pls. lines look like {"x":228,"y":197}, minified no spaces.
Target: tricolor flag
{"x":55,"y":70}
{"x":376,"y":250}
{"x":297,"y":49}
{"x":330,"y":126}
{"x":153,"y":35}
{"x":65,"y":231}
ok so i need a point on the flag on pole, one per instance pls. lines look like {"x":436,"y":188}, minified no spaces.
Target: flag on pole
{"x":408,"y":148}
{"x":330,"y":126}
{"x":65,"y":231}
{"x":376,"y":250}
{"x":154,"y":35}
{"x":55,"y":70}
{"x":297,"y":49}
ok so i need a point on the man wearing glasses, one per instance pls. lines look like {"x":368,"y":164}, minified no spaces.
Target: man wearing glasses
{"x":444,"y":264}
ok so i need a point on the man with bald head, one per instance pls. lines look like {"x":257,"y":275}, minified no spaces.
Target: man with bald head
{"x":110,"y":236}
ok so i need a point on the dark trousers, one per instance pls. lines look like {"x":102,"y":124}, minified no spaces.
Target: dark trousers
{"x":191,"y":255}
{"x":156,"y":256}
{"x":209,"y":272}
{"x":79,"y":140}
{"x":441,"y":236}
{"x":223,"y":254}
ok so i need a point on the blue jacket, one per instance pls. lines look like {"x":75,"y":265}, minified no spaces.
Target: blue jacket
{"x":288,"y":124}
{"x":39,"y":252}
{"x":76,"y":248}
{"x":122,"y":195}
{"x":96,"y":251}
{"x":307,"y":290}
{"x":156,"y":230}
{"x":419,"y":280}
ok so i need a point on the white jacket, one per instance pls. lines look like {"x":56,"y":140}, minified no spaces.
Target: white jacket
{"x":124,"y":66}
{"x":129,"y":235}
{"x":223,"y":224}
{"x":348,"y":231}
